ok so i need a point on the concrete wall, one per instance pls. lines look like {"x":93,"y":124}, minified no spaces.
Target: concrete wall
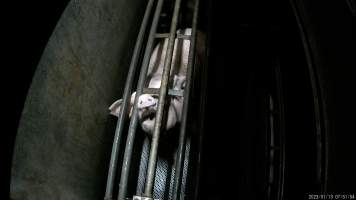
{"x":64,"y":139}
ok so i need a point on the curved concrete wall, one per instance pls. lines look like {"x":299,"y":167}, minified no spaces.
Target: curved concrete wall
{"x":64,"y":140}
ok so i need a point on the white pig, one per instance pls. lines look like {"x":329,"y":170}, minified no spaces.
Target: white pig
{"x":147,"y":103}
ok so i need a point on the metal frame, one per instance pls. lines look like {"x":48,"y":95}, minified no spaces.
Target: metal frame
{"x":187,"y":91}
{"x":276,"y":139}
{"x":161,"y":102}
{"x":162,"y":91}
{"x":134,"y":120}
{"x":126,"y":99}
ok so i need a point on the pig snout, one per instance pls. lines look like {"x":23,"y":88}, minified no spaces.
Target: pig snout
{"x":146,"y":101}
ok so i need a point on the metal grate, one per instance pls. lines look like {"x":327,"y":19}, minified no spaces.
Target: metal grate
{"x":179,"y":170}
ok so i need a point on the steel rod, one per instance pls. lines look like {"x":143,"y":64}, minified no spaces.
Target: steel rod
{"x":282,"y":130}
{"x":156,"y":91}
{"x":161,"y":102}
{"x":166,"y":35}
{"x":183,"y":128}
{"x":134,"y":119}
{"x":126,"y":99}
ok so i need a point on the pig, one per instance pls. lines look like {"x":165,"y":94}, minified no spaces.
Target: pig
{"x":147,"y":103}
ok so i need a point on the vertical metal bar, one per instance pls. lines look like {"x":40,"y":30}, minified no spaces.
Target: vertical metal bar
{"x":282,"y":130}
{"x":183,"y":128}
{"x":322,"y":151}
{"x":134,"y":119}
{"x":161,"y":102}
{"x":124,"y":107}
{"x":271,"y":149}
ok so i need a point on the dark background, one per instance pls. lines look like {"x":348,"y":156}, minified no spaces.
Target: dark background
{"x":27,"y":26}
{"x":238,"y":29}
{"x":245,"y":36}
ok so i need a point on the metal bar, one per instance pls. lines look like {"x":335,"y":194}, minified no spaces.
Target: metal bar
{"x":162,"y":35}
{"x":184,"y":37}
{"x":183,"y":128}
{"x":134,"y":119}
{"x":319,"y":106}
{"x":161,"y":102}
{"x":171,"y":92}
{"x":282,"y":130}
{"x":126,"y":99}
{"x":271,"y":143}
{"x":179,"y":36}
{"x":142,"y":198}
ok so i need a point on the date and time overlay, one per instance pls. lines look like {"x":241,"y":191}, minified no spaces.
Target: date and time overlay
{"x":332,"y":196}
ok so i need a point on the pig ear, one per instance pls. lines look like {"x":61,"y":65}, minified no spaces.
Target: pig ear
{"x":115,"y":107}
